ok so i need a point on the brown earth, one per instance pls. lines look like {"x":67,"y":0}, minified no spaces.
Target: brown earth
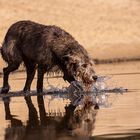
{"x":107,"y":29}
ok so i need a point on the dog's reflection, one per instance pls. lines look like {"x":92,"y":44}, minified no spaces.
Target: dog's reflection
{"x":8,"y":116}
{"x":41,"y":126}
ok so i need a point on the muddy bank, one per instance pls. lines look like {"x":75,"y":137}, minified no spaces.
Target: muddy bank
{"x":115,"y":60}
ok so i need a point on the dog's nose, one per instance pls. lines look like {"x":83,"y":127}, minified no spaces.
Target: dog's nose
{"x":94,"y":77}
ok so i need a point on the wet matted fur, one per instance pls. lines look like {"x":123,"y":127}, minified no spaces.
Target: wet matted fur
{"x":48,"y":48}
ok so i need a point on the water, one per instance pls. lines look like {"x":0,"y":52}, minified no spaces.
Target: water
{"x":48,"y":117}
{"x":98,"y":93}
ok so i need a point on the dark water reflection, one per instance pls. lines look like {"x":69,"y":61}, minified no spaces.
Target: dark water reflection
{"x":29,"y":118}
{"x":41,"y":126}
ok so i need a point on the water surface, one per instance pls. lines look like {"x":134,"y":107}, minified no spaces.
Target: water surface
{"x":37,"y":117}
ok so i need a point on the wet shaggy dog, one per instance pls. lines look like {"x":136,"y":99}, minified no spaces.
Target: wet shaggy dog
{"x":45,"y":48}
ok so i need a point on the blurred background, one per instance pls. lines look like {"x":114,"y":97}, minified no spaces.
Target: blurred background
{"x":108,"y":29}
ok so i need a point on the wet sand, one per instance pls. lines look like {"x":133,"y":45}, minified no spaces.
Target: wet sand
{"x":39,"y":118}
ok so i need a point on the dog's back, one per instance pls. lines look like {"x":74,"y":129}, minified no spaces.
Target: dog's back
{"x":37,"y":42}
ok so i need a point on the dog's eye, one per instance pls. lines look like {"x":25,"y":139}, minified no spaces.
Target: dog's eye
{"x":84,"y":65}
{"x":74,"y":66}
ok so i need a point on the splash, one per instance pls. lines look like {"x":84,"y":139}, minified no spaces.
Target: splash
{"x":100,"y":94}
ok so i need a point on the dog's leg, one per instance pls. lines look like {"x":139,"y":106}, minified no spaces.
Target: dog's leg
{"x":30,"y":70}
{"x":41,"y":71}
{"x":6,"y":71}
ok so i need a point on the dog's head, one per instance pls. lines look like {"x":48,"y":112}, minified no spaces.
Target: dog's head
{"x":81,"y":68}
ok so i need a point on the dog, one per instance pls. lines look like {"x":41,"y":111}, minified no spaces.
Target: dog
{"x":46,"y":48}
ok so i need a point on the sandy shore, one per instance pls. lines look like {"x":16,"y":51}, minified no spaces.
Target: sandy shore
{"x":107,"y":29}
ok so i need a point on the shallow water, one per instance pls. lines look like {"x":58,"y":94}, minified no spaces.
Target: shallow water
{"x":41,"y":118}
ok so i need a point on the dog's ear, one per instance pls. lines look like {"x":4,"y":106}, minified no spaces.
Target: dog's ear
{"x":66,"y":58}
{"x":71,"y":59}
